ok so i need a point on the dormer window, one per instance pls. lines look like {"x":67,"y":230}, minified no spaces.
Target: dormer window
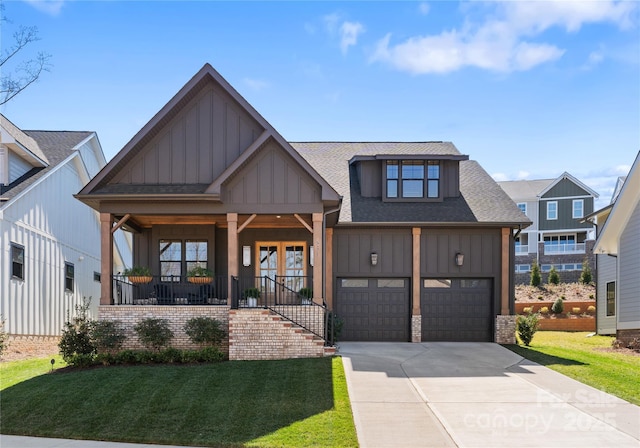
{"x":406,"y":179}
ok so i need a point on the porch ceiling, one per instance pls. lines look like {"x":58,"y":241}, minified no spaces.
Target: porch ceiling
{"x":260,"y":221}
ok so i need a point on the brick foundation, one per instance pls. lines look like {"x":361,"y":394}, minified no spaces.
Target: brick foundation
{"x":505,"y":329}
{"x":626,"y":336}
{"x":416,"y":328}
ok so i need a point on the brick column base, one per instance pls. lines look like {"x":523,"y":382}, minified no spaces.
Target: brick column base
{"x":416,"y":328}
{"x":505,"y":329}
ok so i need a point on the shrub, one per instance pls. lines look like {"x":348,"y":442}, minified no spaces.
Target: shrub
{"x":558,"y":306}
{"x":199,"y":271}
{"x":154,"y":333}
{"x":204,"y":331}
{"x":3,"y":338}
{"x":585,"y":275}
{"x":76,"y":335}
{"x":107,"y":336}
{"x":536,"y":279}
{"x":252,"y":292}
{"x":334,"y":327}
{"x":575,"y":310}
{"x":306,"y":293}
{"x":137,"y":271}
{"x":544,"y":310}
{"x":527,"y":309}
{"x":591,"y":309}
{"x":554,"y":277}
{"x":527,"y":327}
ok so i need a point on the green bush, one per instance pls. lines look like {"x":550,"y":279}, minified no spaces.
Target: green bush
{"x":554,"y":277}
{"x":527,"y":309}
{"x":535,"y":275}
{"x":76,"y":335}
{"x":544,"y":310}
{"x":107,"y":336}
{"x":334,"y":327}
{"x":527,"y":327}
{"x":137,"y":271}
{"x":585,"y":275}
{"x":3,"y":338}
{"x":204,"y":331}
{"x":154,"y":333}
{"x":306,"y":293}
{"x":558,"y":306}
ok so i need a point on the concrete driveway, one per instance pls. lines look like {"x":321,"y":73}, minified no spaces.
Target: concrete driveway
{"x":447,"y":394}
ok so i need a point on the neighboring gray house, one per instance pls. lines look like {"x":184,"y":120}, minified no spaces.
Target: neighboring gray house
{"x":403,"y":241}
{"x":559,"y":235}
{"x":620,"y":238}
{"x":49,"y":253}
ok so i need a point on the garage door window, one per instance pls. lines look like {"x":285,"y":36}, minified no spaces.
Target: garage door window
{"x":437,"y":283}
{"x":475,"y":283}
{"x":354,"y":283}
{"x":390,"y":283}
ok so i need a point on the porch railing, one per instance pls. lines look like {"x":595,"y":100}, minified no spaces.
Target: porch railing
{"x":170,"y":290}
{"x":285,"y":296}
{"x":571,"y":248}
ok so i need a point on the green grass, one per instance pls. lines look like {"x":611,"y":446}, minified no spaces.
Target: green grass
{"x":290,"y":403}
{"x":582,"y":358}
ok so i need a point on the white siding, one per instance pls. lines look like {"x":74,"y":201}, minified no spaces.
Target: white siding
{"x":4,"y":165}
{"x":90,"y":157}
{"x":629,"y":273}
{"x":17,"y":166}
{"x":606,"y":268}
{"x":53,"y":227}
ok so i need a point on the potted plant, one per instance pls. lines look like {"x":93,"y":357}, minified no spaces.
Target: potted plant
{"x":138,"y":274}
{"x":252,"y":295}
{"x":199,"y":275}
{"x":306,"y":294}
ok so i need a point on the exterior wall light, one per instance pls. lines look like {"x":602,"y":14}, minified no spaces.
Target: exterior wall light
{"x":459,"y":259}
{"x":246,"y":255}
{"x":374,"y":258}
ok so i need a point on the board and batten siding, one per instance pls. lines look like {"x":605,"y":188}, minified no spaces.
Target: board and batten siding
{"x":606,"y":273}
{"x":628,"y":289}
{"x":197,"y":145}
{"x":53,"y":227}
{"x":17,"y":166}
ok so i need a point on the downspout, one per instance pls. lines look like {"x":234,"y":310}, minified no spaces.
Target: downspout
{"x":324,"y":241}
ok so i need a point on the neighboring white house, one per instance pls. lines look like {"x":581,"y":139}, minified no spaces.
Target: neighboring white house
{"x":620,"y":237}
{"x":49,"y":242}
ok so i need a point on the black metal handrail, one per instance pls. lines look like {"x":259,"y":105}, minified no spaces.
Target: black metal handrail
{"x":170,"y":290}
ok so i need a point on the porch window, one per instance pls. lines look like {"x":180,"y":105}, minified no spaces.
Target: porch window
{"x":17,"y":261}
{"x":69,"y":276}
{"x":177,"y":257}
{"x":611,"y":299}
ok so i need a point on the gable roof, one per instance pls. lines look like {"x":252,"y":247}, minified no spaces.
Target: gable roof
{"x":205,"y":75}
{"x":625,"y":205}
{"x":568,"y":176}
{"x":532,"y":190}
{"x":56,"y":146}
{"x":481,"y":200}
{"x":619,"y":183}
{"x":23,"y":139}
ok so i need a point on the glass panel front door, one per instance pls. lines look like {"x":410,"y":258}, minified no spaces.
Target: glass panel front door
{"x":285,"y":260}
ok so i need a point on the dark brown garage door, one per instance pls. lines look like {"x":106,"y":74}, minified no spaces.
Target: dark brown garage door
{"x":373,"y":309}
{"x":457,"y":310}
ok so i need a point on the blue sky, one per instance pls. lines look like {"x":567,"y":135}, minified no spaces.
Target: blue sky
{"x":528,"y":89}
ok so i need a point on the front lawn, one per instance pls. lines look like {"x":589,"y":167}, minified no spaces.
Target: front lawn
{"x":293,"y":403}
{"x":589,"y":360}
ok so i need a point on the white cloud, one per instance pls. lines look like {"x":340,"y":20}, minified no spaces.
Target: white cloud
{"x":500,"y":177}
{"x":51,"y":7}
{"x":522,"y":175}
{"x":256,"y":84}
{"x":595,"y":58}
{"x":503,"y":41}
{"x":424,"y":8}
{"x":349,"y":32}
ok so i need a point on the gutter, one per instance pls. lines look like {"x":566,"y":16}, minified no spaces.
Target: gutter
{"x":324,"y":242}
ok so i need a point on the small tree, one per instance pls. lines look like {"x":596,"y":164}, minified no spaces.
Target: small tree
{"x":76,"y":334}
{"x":527,"y":327}
{"x":535,"y":275}
{"x":558,"y":306}
{"x":204,"y":331}
{"x":585,"y":275}
{"x":154,"y":333}
{"x":107,"y":336}
{"x":554,"y":277}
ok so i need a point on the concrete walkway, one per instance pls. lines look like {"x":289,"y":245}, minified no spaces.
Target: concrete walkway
{"x":442,"y":394}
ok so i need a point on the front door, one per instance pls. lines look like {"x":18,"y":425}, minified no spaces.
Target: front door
{"x":283,"y":268}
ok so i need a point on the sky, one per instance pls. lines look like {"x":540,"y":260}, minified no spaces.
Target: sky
{"x":528,"y":89}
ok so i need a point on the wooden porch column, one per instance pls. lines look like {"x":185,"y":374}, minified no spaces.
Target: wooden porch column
{"x":506,"y":271}
{"x":106,"y":259}
{"x":415,"y":277}
{"x":232,"y":248}
{"x":317,"y":257}
{"x":328,"y":272}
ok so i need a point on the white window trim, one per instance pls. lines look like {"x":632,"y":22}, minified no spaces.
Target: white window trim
{"x":573,"y":208}
{"x":525,"y":207}
{"x":556,"y":210}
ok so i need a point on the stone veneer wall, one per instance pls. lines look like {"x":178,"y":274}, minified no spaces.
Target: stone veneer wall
{"x":505,"y":329}
{"x":256,"y":333}
{"x":416,"y":328}
{"x":130,"y":315}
